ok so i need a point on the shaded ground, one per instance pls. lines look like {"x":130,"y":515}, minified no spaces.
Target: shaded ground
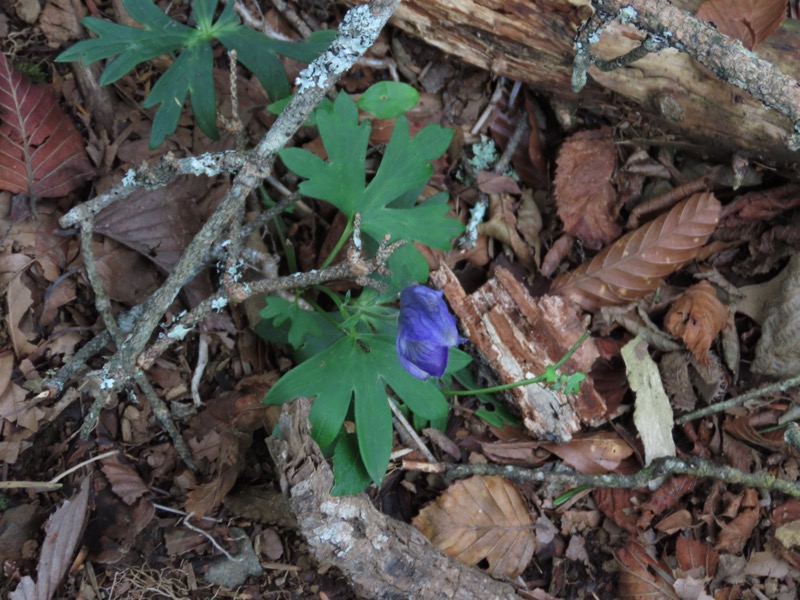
{"x":155,"y":528}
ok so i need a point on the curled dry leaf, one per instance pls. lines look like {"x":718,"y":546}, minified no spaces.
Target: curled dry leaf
{"x":749,"y":21}
{"x":734,"y":536}
{"x":694,"y":554}
{"x":502,"y":226}
{"x":601,"y":452}
{"x":635,"y":264}
{"x":640,"y":575}
{"x":481,"y":518}
{"x":557,"y":252}
{"x":586,"y":201}
{"x":697,"y":317}
{"x":43,"y":154}
{"x":778,"y":350}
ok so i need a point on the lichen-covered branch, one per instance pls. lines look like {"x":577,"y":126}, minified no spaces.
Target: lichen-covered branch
{"x":668,"y":26}
{"x":651,"y":477}
{"x":358,"y":31}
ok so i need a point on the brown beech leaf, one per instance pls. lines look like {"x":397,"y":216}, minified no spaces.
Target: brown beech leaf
{"x":43,"y":154}
{"x":595,"y":453}
{"x":697,"y":317}
{"x":692,"y":553}
{"x":481,"y":518}
{"x":125,"y":481}
{"x":585,"y":199}
{"x":634,"y":265}
{"x":749,"y":21}
{"x":641,"y":577}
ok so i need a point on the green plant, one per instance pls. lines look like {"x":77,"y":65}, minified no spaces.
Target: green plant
{"x":349,"y":355}
{"x":347,"y":358}
{"x":192,"y":70}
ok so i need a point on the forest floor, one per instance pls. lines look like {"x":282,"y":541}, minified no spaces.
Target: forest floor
{"x":721,"y":322}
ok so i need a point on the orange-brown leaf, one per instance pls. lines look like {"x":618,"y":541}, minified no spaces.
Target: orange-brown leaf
{"x":641,"y":576}
{"x":43,"y":153}
{"x":749,"y":21}
{"x":481,"y":518}
{"x":692,"y":553}
{"x":586,"y":201}
{"x":634,"y":265}
{"x":697,"y":317}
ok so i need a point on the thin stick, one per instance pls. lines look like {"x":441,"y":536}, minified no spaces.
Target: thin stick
{"x":651,"y":477}
{"x":409,"y":432}
{"x":780,"y":386}
{"x":49,"y":486}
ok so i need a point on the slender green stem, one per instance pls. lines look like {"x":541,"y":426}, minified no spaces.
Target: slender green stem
{"x":496,"y":388}
{"x":324,"y":313}
{"x":345,"y":234}
{"x":508,"y":386}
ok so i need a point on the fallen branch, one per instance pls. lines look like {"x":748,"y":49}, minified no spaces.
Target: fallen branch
{"x":358,"y":30}
{"x":670,"y":27}
{"x":380,"y":556}
{"x":651,"y":477}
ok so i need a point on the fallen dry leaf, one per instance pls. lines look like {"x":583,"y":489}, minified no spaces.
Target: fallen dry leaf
{"x":734,"y":535}
{"x":63,"y":530}
{"x":697,"y":317}
{"x":696,"y":554}
{"x":653,"y":413}
{"x":125,"y":481}
{"x":641,"y":575}
{"x":595,"y":453}
{"x":635,"y":264}
{"x":502,"y":226}
{"x":749,"y":21}
{"x":43,"y":153}
{"x":586,"y":200}
{"x":481,"y":518}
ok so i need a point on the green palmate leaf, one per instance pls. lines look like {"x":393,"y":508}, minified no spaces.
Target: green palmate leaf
{"x":353,"y":374}
{"x":305,"y":327}
{"x":192,"y":71}
{"x":406,"y":166}
{"x":349,"y":475}
{"x":388,"y":99}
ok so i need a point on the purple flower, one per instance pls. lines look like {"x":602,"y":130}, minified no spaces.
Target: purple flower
{"x":425,"y":333}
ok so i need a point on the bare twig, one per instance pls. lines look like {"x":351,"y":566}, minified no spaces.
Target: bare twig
{"x":356,"y":269}
{"x":651,"y":477}
{"x":405,"y":430}
{"x":101,"y":299}
{"x":161,"y":411}
{"x":780,"y":386}
{"x":358,"y":30}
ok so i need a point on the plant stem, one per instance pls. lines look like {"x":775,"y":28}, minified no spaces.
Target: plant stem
{"x":508,"y":386}
{"x":345,"y":234}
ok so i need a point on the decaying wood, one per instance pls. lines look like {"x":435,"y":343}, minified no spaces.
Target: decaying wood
{"x":532,"y":41}
{"x":519,"y":337}
{"x":381,"y":557}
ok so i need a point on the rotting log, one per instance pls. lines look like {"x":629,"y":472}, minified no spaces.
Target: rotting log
{"x":532,"y":41}
{"x":381,"y":557}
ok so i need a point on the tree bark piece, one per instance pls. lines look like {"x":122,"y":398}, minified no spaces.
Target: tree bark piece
{"x":532,"y":41}
{"x":382,"y":557}
{"x":520,"y":337}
